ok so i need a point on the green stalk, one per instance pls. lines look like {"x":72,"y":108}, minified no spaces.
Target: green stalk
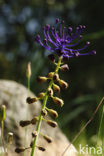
{"x":100,"y":129}
{"x":28,"y":84}
{"x":43,"y":106}
{"x":2,"y":135}
{"x":26,"y":129}
{"x":103,"y":132}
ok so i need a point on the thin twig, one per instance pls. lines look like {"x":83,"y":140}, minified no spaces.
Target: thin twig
{"x":83,"y":127}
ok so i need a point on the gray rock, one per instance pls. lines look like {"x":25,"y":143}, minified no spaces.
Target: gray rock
{"x":14,"y":95}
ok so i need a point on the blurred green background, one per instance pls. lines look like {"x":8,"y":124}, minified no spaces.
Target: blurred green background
{"x":21,"y":20}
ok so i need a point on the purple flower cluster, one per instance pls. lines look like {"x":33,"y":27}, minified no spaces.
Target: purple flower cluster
{"x":62,"y":42}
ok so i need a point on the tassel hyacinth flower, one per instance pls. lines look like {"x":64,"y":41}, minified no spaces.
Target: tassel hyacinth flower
{"x":63,"y":45}
{"x":61,"y":41}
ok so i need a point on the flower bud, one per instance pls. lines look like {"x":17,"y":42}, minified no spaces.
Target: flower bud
{"x":53,"y":113}
{"x":47,"y":138}
{"x":47,"y":27}
{"x":51,"y":58}
{"x":24,"y":123}
{"x":30,"y":100}
{"x":64,"y":67}
{"x":34,"y":134}
{"x":34,"y":120}
{"x":50,"y":75}
{"x":63,"y":84}
{"x":56,"y":77}
{"x":31,"y":144}
{"x":10,"y":138}
{"x":41,"y":148}
{"x":37,"y":38}
{"x":41,"y":95}
{"x":44,"y":112}
{"x":2,"y":113}
{"x":56,"y":88}
{"x":65,"y":59}
{"x":59,"y":51}
{"x":28,"y":70}
{"x":51,"y":123}
{"x":58,"y":101}
{"x":93,"y":52}
{"x":20,"y":149}
{"x":41,"y":79}
{"x":50,"y":92}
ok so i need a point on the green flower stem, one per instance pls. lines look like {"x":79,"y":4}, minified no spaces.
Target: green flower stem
{"x":43,"y":106}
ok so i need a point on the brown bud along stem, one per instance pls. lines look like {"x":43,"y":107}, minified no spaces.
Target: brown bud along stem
{"x":50,"y":75}
{"x":44,"y":112}
{"x":47,"y":138}
{"x":41,"y":79}
{"x":30,"y":100}
{"x":34,"y":134}
{"x":51,"y":123}
{"x":64,"y":67}
{"x":52,"y":112}
{"x":56,"y":77}
{"x":50,"y":92}
{"x":41,"y":148}
{"x":63,"y":84}
{"x":56,"y":88}
{"x":41,"y":95}
{"x":34,"y":120}
{"x":58,"y":101}
{"x":20,"y":149}
{"x":25,"y":123}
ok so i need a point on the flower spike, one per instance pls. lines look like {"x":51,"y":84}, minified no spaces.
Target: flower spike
{"x":61,"y":42}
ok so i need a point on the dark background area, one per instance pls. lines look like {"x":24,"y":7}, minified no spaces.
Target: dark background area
{"x":21,"y":20}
